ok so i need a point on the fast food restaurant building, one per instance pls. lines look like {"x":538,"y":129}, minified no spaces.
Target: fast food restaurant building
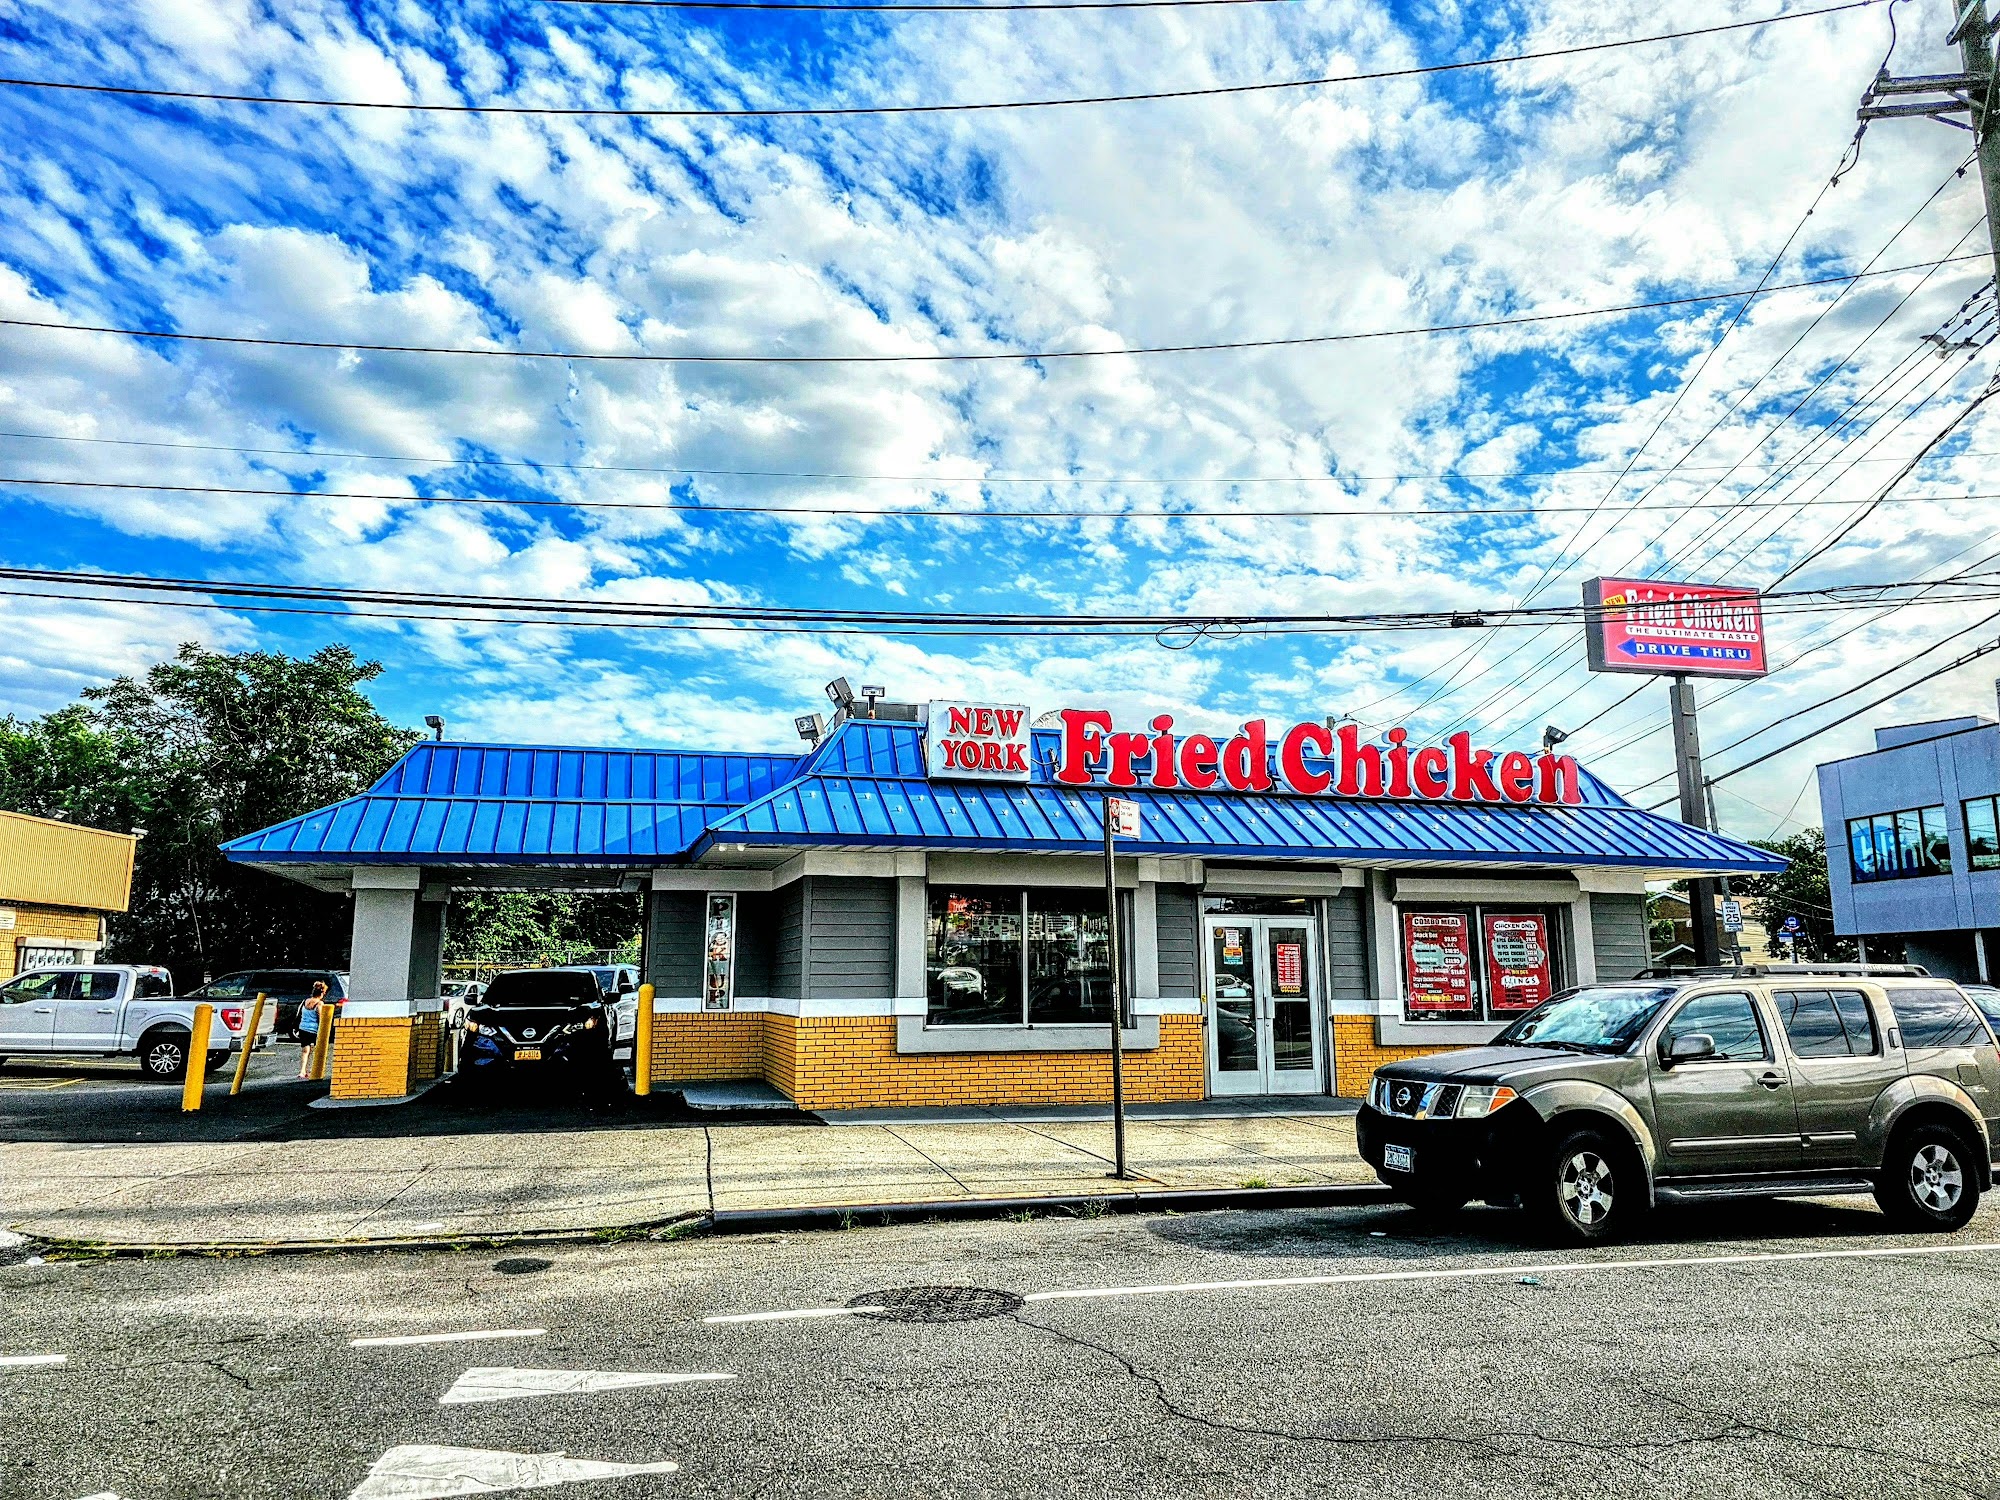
{"x":913,"y":912}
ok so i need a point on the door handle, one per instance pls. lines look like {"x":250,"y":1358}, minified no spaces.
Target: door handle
{"x":1773,"y":1080}
{"x":107,"y":1010}
{"x":43,"y":1010}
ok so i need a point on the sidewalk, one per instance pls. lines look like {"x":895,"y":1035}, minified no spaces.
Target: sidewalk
{"x":404,"y":1175}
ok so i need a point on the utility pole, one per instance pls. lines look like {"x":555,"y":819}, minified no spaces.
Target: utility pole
{"x":1694,"y":813}
{"x":1945,"y":96}
{"x":1120,"y":817}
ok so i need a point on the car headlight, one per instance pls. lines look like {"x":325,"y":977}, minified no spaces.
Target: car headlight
{"x":1482,"y":1099}
{"x":589,"y":1022}
{"x":473,"y":1027}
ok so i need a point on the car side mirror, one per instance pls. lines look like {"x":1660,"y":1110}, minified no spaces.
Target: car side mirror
{"x":1695,"y":1046}
{"x":627,"y":988}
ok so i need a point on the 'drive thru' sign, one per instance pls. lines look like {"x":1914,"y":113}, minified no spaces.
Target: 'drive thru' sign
{"x":978,"y":741}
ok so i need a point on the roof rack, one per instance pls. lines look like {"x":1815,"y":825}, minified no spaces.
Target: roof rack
{"x":1761,"y":971}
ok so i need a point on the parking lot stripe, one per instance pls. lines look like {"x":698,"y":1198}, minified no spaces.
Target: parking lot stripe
{"x":33,"y":1359}
{"x":796,"y":1312}
{"x":1441,"y":1273}
{"x":390,"y":1341}
{"x":499,"y":1383}
{"x":425,"y":1472}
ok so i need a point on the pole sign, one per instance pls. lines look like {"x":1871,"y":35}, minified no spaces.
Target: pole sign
{"x":1683,"y":629}
{"x":1732,"y":916}
{"x":1122,"y":817}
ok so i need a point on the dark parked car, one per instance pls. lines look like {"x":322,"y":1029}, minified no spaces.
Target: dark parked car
{"x":287,"y":988}
{"x":1703,"y":1086}
{"x":537,"y":1019}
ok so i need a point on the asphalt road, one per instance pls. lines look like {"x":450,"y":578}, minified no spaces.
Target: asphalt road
{"x":1681,"y":1365}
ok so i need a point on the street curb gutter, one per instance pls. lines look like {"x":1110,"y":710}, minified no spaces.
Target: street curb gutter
{"x":754,"y":1220}
{"x":1143,"y":1200}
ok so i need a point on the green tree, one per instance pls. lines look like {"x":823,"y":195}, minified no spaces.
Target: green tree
{"x":1800,"y":890}
{"x":497,"y":928}
{"x":203,"y":749}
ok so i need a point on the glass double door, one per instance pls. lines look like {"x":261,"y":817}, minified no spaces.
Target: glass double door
{"x":1265,"y":1029}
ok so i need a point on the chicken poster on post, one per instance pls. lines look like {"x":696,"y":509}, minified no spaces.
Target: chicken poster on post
{"x":1517,"y":960}
{"x":1437,"y":960}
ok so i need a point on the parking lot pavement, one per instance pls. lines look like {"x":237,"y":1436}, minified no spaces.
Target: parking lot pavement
{"x":110,"y":1158}
{"x":1779,"y":1349}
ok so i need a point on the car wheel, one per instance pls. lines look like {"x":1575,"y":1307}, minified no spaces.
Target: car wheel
{"x":1588,"y":1191}
{"x":164,"y":1056}
{"x":1928,"y":1181}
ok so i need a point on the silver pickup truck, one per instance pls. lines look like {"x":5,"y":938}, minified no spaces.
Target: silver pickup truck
{"x":118,"y":1010}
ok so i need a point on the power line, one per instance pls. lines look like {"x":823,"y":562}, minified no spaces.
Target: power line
{"x":1336,"y":476}
{"x":915,"y":513}
{"x":974,"y":357}
{"x":832,"y":111}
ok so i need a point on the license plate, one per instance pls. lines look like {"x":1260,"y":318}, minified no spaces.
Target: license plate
{"x":1398,"y":1159}
{"x":527,"y":1054}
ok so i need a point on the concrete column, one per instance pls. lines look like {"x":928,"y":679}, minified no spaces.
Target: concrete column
{"x":398,"y":945}
{"x":911,"y":914}
{"x":1583,"y":938}
{"x":1143,"y":940}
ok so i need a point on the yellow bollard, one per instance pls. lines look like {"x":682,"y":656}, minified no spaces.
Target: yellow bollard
{"x":197,"y":1059}
{"x":323,"y":1041}
{"x":642,"y":1043}
{"x":249,"y":1041}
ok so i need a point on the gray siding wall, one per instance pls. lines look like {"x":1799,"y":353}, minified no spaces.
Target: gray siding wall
{"x":1618,"y":928}
{"x":1178,"y":935}
{"x":850,"y":937}
{"x":673,"y":942}
{"x":788,"y":918}
{"x":756,"y":940}
{"x":1347,"y":945}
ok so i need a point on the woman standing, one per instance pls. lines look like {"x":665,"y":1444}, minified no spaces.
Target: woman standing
{"x":310,"y":1010}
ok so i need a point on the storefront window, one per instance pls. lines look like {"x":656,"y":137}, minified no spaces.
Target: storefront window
{"x":1013,"y":957}
{"x":1899,"y":845}
{"x":718,"y":966}
{"x":1476,"y":963}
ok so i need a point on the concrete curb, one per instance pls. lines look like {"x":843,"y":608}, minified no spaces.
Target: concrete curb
{"x":756,"y":1220}
{"x":1144,"y":1200}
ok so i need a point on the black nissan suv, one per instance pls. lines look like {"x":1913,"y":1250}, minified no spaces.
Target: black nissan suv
{"x":535,"y":1020}
{"x":1691,"y":1086}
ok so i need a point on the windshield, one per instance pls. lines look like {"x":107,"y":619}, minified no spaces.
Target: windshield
{"x":541,"y":987}
{"x":1593,"y":1020}
{"x":1987,"y":999}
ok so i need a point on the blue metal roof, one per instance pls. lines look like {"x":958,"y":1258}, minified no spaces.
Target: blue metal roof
{"x":865,"y":786}
{"x":523,"y":804}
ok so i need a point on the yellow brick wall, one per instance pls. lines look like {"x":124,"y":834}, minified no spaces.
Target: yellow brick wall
{"x":708,"y":1045}
{"x":31,"y":922}
{"x":851,"y":1062}
{"x":426,"y":1044}
{"x":371,"y":1057}
{"x":1356,"y":1054}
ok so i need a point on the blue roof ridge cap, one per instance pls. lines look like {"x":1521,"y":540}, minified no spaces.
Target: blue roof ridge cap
{"x":433,"y":747}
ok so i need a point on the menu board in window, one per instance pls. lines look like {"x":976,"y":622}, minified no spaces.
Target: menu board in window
{"x":1517,"y":959}
{"x":1437,"y":961}
{"x":719,"y":955}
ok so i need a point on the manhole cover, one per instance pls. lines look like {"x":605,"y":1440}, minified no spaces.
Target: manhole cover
{"x":935,"y":1304}
{"x":521,"y":1265}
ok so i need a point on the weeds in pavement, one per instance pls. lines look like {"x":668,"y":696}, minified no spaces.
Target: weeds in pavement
{"x":1256,"y":1182}
{"x":1025,"y":1216}
{"x":1092,"y":1208}
{"x":846,"y":1218}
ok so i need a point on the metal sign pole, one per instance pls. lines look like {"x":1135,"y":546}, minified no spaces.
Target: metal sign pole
{"x":1694,"y":813}
{"x":1111,"y":807}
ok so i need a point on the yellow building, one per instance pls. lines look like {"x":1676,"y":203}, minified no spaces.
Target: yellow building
{"x":58,"y":882}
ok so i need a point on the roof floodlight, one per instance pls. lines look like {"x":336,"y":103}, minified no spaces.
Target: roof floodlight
{"x":839,"y":692}
{"x":810,"y":726}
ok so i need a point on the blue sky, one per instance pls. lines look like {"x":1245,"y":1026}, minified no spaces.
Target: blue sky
{"x":1621,"y":176}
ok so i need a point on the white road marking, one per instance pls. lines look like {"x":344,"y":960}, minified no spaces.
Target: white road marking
{"x":499,"y":1383}
{"x":467,"y":1337}
{"x":1448,"y":1273}
{"x":33,"y":1359}
{"x":797,"y":1312}
{"x":422,"y":1472}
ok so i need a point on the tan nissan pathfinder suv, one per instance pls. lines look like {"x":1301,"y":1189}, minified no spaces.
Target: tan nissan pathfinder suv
{"x":1696,"y":1085}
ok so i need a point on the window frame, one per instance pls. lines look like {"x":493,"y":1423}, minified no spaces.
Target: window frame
{"x":1025,"y":914}
{"x":1777,"y":997}
{"x":1476,"y":913}
{"x":1905,"y":843}
{"x":1665,"y":1030}
{"x":1974,"y":861}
